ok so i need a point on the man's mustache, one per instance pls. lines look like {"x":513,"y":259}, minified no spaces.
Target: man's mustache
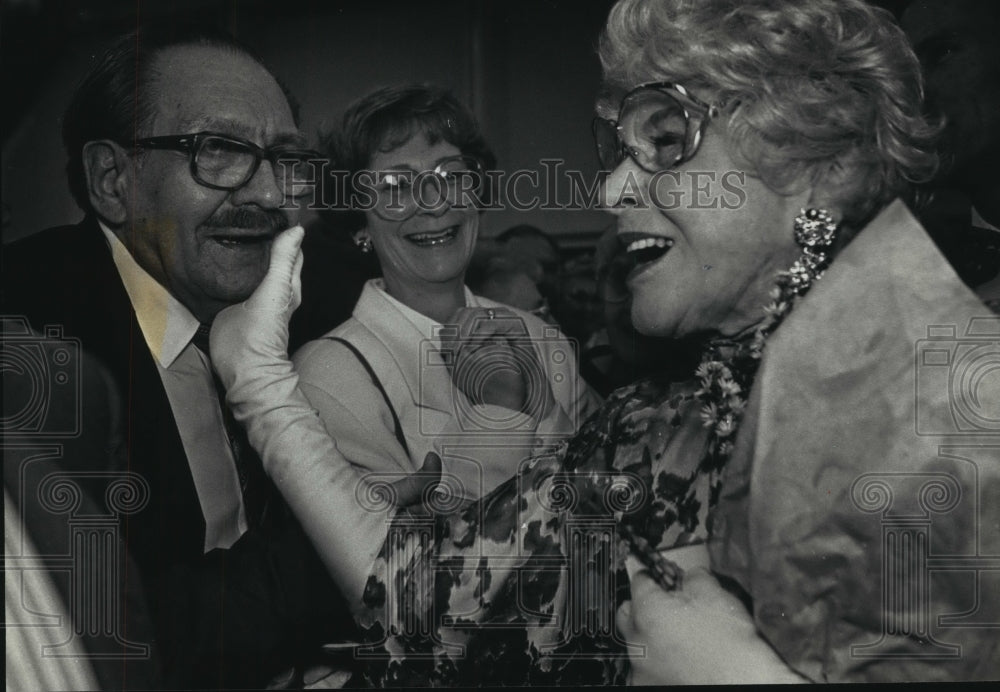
{"x":271,"y":220}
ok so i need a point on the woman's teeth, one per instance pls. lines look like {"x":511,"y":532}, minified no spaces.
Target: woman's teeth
{"x":648,"y":242}
{"x":435,"y":238}
{"x":648,"y":249}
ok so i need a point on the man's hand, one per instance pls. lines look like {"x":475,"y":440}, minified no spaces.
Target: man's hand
{"x":699,"y":634}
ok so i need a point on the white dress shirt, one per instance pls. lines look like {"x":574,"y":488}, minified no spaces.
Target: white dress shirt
{"x":167,"y":327}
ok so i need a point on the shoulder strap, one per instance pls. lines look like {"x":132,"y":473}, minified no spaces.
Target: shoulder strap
{"x":364,"y":361}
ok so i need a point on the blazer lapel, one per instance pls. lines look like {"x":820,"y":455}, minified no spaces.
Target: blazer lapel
{"x":411,"y":355}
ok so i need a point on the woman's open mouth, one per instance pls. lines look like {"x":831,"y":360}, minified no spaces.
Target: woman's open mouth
{"x":433,"y":238}
{"x":643,"y":249}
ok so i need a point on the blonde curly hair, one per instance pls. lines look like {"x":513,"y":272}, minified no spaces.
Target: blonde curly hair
{"x":817,"y":90}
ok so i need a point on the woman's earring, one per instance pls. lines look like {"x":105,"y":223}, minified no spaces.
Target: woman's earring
{"x":364,"y":243}
{"x":815,"y":230}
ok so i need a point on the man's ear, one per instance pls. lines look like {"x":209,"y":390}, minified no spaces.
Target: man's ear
{"x":107,"y":167}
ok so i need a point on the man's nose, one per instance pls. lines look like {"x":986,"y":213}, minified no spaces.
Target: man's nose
{"x":263,"y":189}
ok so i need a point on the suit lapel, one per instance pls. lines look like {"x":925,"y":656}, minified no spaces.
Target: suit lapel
{"x":172,"y":525}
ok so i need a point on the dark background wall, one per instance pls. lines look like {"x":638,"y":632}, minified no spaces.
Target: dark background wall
{"x":528,"y":69}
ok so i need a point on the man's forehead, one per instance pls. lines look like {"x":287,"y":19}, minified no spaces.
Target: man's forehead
{"x":207,"y":88}
{"x":242,"y":130}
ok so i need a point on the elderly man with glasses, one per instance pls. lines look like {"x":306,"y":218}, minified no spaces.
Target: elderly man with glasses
{"x":185,"y":155}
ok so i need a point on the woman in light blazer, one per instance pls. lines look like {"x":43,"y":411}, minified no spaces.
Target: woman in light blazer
{"x":424,"y":365}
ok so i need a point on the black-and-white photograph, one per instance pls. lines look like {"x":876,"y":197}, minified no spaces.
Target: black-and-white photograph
{"x":500,"y":343}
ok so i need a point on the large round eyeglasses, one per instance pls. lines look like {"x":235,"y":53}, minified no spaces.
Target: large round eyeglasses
{"x":222,"y":162}
{"x":659,"y":125}
{"x":458,"y":181}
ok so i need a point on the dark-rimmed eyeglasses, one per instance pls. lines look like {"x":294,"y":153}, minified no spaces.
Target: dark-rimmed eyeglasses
{"x":222,"y":162}
{"x":659,"y":125}
{"x":457,"y":180}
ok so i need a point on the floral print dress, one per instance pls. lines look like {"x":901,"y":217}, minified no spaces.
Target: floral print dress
{"x":521,"y":587}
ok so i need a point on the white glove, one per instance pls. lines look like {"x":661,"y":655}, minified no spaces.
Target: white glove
{"x":345,"y":516}
{"x":259,"y":326}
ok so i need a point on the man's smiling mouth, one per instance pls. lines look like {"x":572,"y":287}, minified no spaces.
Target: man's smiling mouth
{"x":236,"y":240}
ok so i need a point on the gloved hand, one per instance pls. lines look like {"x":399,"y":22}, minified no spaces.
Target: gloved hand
{"x":331,"y":498}
{"x":259,"y":326}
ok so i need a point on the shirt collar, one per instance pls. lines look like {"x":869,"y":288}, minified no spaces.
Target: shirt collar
{"x":425,"y":325}
{"x":167,"y":326}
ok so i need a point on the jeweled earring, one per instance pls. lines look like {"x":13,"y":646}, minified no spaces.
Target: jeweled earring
{"x":815,"y":230}
{"x":364,"y":243}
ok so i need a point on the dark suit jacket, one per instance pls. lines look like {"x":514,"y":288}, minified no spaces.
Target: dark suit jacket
{"x":231,"y":617}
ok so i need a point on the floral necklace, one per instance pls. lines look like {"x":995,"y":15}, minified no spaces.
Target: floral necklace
{"x":728,"y":367}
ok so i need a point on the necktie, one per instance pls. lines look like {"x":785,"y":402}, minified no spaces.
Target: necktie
{"x":254,"y":484}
